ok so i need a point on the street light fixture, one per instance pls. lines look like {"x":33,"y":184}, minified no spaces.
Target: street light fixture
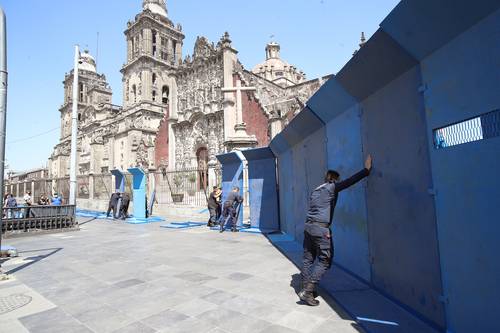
{"x":3,"y":112}
{"x":74,"y":130}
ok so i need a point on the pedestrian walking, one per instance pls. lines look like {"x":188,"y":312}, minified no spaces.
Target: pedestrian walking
{"x":318,"y":242}
{"x":214,"y":206}
{"x":231,"y":208}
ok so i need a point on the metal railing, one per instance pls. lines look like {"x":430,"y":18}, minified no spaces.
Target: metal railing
{"x":31,"y":219}
{"x":188,"y":187}
{"x":182,"y":187}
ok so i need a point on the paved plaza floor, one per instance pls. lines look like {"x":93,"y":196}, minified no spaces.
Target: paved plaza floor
{"x":115,"y":277}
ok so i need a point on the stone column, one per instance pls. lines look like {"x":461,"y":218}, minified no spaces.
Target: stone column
{"x":170,"y":51}
{"x":91,"y":186}
{"x":151,"y":184}
{"x":147,"y":83}
{"x":276,"y":126}
{"x":125,"y":88}
{"x":111,"y":152}
{"x":178,"y":52}
{"x":172,"y":99}
{"x":229,"y":60}
{"x":129,"y":50}
{"x":212,"y":160}
{"x":148,"y":42}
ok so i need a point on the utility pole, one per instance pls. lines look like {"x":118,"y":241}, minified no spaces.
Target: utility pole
{"x":74,"y":130}
{"x":3,"y":112}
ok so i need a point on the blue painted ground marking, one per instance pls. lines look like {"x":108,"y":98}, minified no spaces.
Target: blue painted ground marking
{"x":258,"y":230}
{"x":183,"y":225}
{"x":130,"y":220}
{"x":152,"y":219}
{"x":377,"y":321}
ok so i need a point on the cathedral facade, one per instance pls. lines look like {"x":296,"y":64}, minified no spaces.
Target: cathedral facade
{"x":178,"y":112}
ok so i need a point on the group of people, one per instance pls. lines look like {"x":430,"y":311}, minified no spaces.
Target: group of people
{"x":10,"y":202}
{"x":226,"y":213}
{"x":118,"y":203}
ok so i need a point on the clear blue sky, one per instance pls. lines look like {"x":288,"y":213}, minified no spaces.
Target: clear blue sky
{"x":318,"y":36}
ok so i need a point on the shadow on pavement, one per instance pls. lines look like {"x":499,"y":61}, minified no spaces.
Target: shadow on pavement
{"x":34,"y":259}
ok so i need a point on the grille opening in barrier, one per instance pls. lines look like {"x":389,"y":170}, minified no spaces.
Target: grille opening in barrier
{"x":475,"y":129}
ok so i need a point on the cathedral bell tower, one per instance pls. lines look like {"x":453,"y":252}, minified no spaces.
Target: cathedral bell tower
{"x":154,"y":51}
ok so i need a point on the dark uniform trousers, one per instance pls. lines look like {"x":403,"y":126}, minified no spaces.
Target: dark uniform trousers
{"x":318,"y":244}
{"x":229,"y":213}
{"x":213,"y":215}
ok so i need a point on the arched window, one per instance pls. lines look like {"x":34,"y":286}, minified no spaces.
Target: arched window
{"x":153,"y":79}
{"x":165,"y":94}
{"x":154,"y":96}
{"x":134,"y":93}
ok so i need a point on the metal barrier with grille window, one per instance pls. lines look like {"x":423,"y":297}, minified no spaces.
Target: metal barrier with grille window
{"x":21,"y":221}
{"x":483,"y":127}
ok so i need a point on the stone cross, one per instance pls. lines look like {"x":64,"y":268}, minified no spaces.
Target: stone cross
{"x":239,"y":107}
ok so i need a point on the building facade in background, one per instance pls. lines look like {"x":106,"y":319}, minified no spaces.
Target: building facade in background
{"x":178,"y":112}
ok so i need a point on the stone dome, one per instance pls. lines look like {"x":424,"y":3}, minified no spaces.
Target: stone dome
{"x":276,"y":69}
{"x":87,"y":62}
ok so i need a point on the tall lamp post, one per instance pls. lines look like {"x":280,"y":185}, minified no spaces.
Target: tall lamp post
{"x":3,"y":110}
{"x":74,"y":130}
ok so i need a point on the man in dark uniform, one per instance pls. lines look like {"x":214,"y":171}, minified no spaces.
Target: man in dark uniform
{"x":124,"y":206}
{"x":214,"y":206}
{"x":113,"y":202}
{"x":317,"y":234}
{"x":229,"y":209}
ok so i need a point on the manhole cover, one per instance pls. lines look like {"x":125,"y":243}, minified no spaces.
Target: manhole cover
{"x":13,"y":302}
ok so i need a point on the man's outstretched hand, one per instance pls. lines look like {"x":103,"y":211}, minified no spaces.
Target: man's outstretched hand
{"x":368,"y":162}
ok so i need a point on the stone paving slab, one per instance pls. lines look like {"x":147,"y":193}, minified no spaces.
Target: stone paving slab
{"x":116,"y":277}
{"x":31,"y":302}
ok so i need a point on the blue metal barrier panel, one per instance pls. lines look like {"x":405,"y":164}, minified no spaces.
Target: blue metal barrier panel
{"x":377,"y":63}
{"x":449,"y":18}
{"x":330,"y":100}
{"x":279,"y":145}
{"x":119,"y":180}
{"x":262,"y":187}
{"x":232,"y":175}
{"x":139,"y":192}
{"x":303,"y":125}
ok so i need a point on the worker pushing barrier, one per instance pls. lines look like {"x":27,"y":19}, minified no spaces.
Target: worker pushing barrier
{"x":231,"y":210}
